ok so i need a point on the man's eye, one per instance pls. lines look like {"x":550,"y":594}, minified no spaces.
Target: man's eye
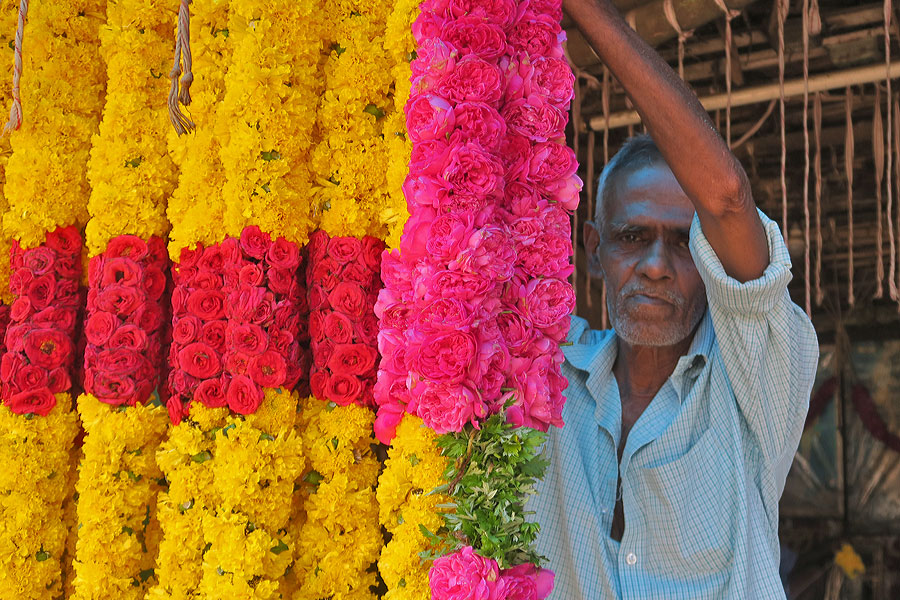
{"x":630,"y":238}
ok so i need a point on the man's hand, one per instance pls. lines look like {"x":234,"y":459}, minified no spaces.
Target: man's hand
{"x":708,"y":172}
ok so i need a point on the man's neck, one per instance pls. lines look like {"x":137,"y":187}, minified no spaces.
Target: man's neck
{"x":642,"y":370}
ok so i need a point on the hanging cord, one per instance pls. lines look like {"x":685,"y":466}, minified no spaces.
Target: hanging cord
{"x":181,"y":94}
{"x":878,"y":154}
{"x":604,"y":316}
{"x":729,"y":15}
{"x":892,"y":262}
{"x":756,"y":126}
{"x":782,"y":8}
{"x":896,"y":145}
{"x":15,"y":113}
{"x":849,"y":153}
{"x":669,"y":9}
{"x":806,"y":282}
{"x":592,"y":141}
{"x":817,"y":167}
{"x":815,"y":18}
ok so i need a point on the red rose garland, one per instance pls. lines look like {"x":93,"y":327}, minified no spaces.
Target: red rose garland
{"x":343,"y":279}
{"x":39,"y":349}
{"x":238,"y":323}
{"x":123,"y":328}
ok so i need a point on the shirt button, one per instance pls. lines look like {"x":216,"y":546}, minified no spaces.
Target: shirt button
{"x":631,"y":559}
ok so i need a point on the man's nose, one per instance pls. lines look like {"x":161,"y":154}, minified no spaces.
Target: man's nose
{"x":656,"y":262}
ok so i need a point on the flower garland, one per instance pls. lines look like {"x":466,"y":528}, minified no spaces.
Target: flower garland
{"x":343,"y":279}
{"x":476,"y":303}
{"x":351,"y":159}
{"x":8,"y":19}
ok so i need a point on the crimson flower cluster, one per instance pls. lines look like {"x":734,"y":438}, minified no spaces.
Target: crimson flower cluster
{"x":476,"y":303}
{"x":39,"y":349}
{"x":238,"y":323}
{"x":125,"y":317}
{"x":343,"y":279}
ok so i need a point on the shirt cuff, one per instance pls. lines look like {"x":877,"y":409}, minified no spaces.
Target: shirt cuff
{"x":755,"y":296}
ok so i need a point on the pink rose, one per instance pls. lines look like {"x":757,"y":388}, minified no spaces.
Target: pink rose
{"x":428,"y":157}
{"x":473,"y":35}
{"x":551,"y":161}
{"x":527,"y":582}
{"x":455,"y":284}
{"x":446,"y":408}
{"x":428,"y":117}
{"x":386,"y":423}
{"x":122,"y":271}
{"x":551,"y":8}
{"x":445,"y":356}
{"x":243,"y":396}
{"x":535,"y":119}
{"x":539,"y":36}
{"x":448,"y":235}
{"x":554,"y":80}
{"x":479,"y":122}
{"x":537,"y":406}
{"x":546,"y":302}
{"x":465,"y":575}
{"x":474,"y":80}
{"x":443,"y":314}
{"x":283,"y":254}
{"x":501,"y":12}
{"x":425,"y":191}
{"x":255,"y":243}
{"x":472,"y":171}
{"x":126,"y":246}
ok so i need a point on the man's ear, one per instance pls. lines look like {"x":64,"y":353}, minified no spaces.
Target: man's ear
{"x":591,"y":243}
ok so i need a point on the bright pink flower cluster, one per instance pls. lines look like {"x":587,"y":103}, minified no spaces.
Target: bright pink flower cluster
{"x":343,"y":278}
{"x":39,"y":349}
{"x":125,"y":317}
{"x":238,"y":323}
{"x":476,"y":302}
{"x":464,"y":575}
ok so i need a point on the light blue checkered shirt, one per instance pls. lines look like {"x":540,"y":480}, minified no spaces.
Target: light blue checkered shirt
{"x":704,"y":466}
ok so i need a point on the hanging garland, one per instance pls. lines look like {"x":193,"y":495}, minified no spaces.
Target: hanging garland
{"x":8,"y":17}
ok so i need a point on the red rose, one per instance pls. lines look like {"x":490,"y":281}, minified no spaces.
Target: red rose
{"x":179,"y":300}
{"x":317,"y":325}
{"x":58,"y":381}
{"x":10,"y":364}
{"x":114,"y":388}
{"x":189,"y":258}
{"x":209,"y":280}
{"x":321,"y":352}
{"x":344,"y":249}
{"x":211,"y":392}
{"x":208,"y":305}
{"x":247,"y":338}
{"x":68,"y":294}
{"x":120,"y":361}
{"x":19,"y":281}
{"x":214,"y":334}
{"x":352,"y":359}
{"x":21,"y":309}
{"x":326,"y":272}
{"x":231,"y":250}
{"x":264,"y":312}
{"x":129,"y":337}
{"x":55,"y":318}
{"x":357,"y":272}
{"x":48,"y":348}
{"x":39,"y":260}
{"x":371,"y":253}
{"x":148,"y":316}
{"x":127,"y":246}
{"x":251,"y":274}
{"x":317,"y":245}
{"x":281,"y":341}
{"x":318,"y":297}
{"x":186,"y":329}
{"x":15,"y":337}
{"x":337,"y":327}
{"x":65,"y":241}
{"x":286,"y":316}
{"x":122,"y":271}
{"x":283,"y":255}
{"x":212,"y":259}
{"x":199,"y":360}
{"x":282,"y":281}
{"x":68,"y":267}
{"x":349,"y":298}
{"x":154,"y":283}
{"x":318,"y":383}
{"x":367,"y":330}
{"x":182,"y":383}
{"x":176,"y":409}
{"x":237,"y":363}
{"x":158,"y":254}
{"x":268,"y":369}
{"x":38,"y":402}
{"x":30,"y":377}
{"x":119,"y":299}
{"x":243,"y":396}
{"x":41,"y":291}
{"x":255,"y":243}
{"x":343,"y":389}
{"x":99,"y":327}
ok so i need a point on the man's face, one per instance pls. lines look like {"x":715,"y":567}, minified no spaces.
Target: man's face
{"x":655,"y":296}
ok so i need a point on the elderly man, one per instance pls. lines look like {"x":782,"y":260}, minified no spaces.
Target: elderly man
{"x":681,"y":422}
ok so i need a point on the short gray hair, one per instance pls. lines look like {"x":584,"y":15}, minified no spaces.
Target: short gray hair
{"x":638,"y":152}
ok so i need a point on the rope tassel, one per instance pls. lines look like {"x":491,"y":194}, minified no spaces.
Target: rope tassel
{"x":15,"y":113}
{"x":180,"y":93}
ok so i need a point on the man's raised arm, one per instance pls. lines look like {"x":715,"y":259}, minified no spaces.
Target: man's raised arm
{"x":702,"y":163}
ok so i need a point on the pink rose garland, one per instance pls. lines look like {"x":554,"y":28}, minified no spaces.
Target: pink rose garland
{"x":343,"y":279}
{"x":39,"y":350}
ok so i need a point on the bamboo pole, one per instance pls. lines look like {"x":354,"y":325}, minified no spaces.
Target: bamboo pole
{"x":764,"y":93}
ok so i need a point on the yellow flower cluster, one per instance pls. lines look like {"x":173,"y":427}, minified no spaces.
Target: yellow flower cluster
{"x":226,"y":512}
{"x":35,"y":456}
{"x":340,"y":538}
{"x":70,"y":519}
{"x":62,"y":97}
{"x":196,"y":209}
{"x":400,"y":45}
{"x":414,"y":468}
{"x":131,"y":173}
{"x":8,"y":19}
{"x":351,"y":158}
{"x":269,"y":110}
{"x":118,"y":534}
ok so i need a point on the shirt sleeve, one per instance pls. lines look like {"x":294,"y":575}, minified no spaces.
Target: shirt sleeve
{"x":767,"y":344}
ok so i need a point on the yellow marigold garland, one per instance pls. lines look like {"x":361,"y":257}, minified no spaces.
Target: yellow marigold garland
{"x":351,"y":158}
{"x":414,"y":468}
{"x":271,"y":89}
{"x":340,"y":537}
{"x":131,"y":173}
{"x":197,"y":209}
{"x":35,"y":453}
{"x":117,"y":488}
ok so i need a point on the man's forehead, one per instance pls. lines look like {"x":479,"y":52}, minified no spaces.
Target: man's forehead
{"x":650,"y":197}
